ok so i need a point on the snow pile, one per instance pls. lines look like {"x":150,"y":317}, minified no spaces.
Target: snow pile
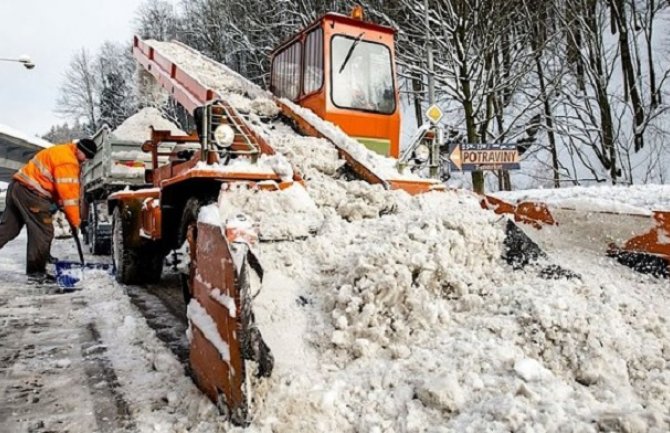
{"x":417,"y":322}
{"x":320,"y":165}
{"x":138,"y":126}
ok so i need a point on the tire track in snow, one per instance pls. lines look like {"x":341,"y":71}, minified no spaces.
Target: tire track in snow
{"x":111,"y":410}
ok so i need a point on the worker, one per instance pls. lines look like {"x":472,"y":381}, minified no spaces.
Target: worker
{"x":48,"y":182}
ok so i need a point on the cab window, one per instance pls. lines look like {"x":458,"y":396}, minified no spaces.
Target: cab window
{"x":313,"y":70}
{"x":286,"y":72}
{"x":362,"y":75}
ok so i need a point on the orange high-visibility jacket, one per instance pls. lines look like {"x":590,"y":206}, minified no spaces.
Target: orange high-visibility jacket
{"x":54,"y":174}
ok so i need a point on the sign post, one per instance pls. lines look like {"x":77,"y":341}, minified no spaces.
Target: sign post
{"x":434,"y":115}
{"x":485,"y":156}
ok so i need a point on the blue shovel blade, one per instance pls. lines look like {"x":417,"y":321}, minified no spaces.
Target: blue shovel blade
{"x":69,"y":274}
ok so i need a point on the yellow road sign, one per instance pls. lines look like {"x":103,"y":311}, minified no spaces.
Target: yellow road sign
{"x":434,"y":113}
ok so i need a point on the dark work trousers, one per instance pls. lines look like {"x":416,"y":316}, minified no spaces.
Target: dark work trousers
{"x":26,"y":207}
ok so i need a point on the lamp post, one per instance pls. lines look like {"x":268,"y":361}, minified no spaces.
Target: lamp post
{"x":24,"y":60}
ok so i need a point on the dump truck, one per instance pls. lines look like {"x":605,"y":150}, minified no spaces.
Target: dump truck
{"x":119,"y":164}
{"x":316,"y":94}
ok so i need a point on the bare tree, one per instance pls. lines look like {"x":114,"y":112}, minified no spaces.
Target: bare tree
{"x":78,"y":97}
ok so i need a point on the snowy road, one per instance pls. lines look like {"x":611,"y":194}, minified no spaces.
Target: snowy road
{"x":90,"y":361}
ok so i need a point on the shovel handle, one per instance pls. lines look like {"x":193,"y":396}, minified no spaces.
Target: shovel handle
{"x":75,"y":235}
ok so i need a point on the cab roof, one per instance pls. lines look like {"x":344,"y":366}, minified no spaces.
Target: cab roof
{"x":340,"y":18}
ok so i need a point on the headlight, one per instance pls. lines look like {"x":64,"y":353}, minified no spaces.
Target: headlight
{"x":422,"y":152}
{"x":224,"y":135}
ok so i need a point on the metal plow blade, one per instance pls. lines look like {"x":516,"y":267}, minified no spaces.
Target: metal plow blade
{"x":636,"y":240}
{"x":222,"y":331}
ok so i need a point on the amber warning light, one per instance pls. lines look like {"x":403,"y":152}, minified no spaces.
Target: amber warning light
{"x":357,"y":13}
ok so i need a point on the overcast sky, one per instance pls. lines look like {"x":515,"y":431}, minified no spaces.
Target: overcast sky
{"x":50,"y":32}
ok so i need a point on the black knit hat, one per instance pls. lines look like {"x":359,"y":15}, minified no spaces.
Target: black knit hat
{"x":87,"y":146}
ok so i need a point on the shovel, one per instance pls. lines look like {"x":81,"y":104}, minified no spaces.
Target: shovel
{"x":70,"y":273}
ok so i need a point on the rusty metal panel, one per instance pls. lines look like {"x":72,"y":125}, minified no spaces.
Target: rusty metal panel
{"x":222,"y":380}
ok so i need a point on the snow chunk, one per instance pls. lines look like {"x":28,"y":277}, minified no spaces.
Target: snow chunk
{"x":442,"y":392}
{"x":264,"y":107}
{"x":209,"y":215}
{"x":283,"y":214}
{"x":530,"y":370}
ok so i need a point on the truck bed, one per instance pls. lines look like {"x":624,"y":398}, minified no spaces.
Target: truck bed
{"x":108,"y":167}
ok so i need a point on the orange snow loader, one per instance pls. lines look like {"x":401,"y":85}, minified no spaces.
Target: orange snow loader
{"x":147,"y":224}
{"x":340,"y":69}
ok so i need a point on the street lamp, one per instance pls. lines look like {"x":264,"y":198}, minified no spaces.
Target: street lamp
{"x":25,"y":60}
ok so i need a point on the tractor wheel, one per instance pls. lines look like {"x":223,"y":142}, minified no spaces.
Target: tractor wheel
{"x":188,"y":231}
{"x":96,"y":246}
{"x":126,"y":259}
{"x":153,"y":263}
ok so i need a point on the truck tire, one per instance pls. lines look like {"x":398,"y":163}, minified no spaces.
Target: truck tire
{"x":96,"y":246}
{"x":153,"y":264}
{"x":126,"y":259}
{"x":188,"y":224}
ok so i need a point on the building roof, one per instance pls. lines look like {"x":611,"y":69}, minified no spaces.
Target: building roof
{"x":16,"y":148}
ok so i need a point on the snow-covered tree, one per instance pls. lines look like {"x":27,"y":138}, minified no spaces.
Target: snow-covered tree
{"x":117,"y":100}
{"x":157,"y":19}
{"x":65,"y":132}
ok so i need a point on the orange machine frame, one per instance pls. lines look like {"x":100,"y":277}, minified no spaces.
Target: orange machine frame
{"x":356,"y":123}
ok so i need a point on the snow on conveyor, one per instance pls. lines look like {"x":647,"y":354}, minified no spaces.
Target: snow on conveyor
{"x":249,"y":98}
{"x":405,"y":318}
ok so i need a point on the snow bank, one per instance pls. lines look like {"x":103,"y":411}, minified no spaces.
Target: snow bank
{"x":631,"y":199}
{"x":417,"y":322}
